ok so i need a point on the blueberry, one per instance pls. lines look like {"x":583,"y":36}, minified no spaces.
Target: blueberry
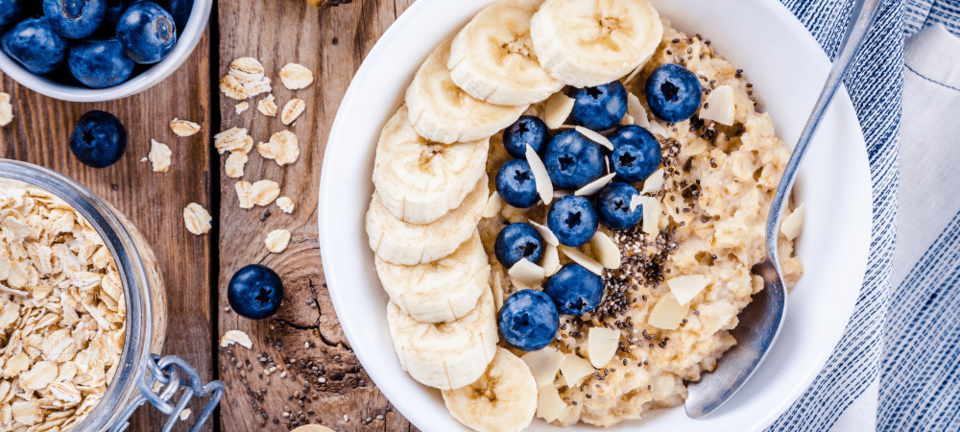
{"x":99,"y":64}
{"x":599,"y":108}
{"x":572,"y":160}
{"x":35,"y":45}
{"x":516,"y":184}
{"x":528,"y":130}
{"x":99,"y":139}
{"x":255,"y":292}
{"x":673,"y":93}
{"x":518,"y":241}
{"x":108,"y":28}
{"x":147,"y":32}
{"x":529,"y":320}
{"x":573,"y":220}
{"x":9,"y":11}
{"x":179,"y":10}
{"x":75,"y":19}
{"x":636,"y":153}
{"x":614,"y":206}
{"x":575,"y":290}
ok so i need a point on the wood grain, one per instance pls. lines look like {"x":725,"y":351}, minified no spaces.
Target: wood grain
{"x":323,"y":378}
{"x":154,"y":202}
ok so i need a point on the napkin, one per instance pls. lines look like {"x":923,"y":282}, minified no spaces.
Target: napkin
{"x":843,"y":397}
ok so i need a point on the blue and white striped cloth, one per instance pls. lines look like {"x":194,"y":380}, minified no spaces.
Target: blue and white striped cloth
{"x":897,"y":367}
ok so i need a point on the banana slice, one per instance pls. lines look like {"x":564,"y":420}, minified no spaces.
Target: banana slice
{"x":419,"y":181}
{"x":446,"y":355}
{"x":442,"y":112}
{"x":440,"y":291}
{"x":492,"y":58}
{"x":402,"y":243}
{"x":587,"y":43}
{"x":504,"y":399}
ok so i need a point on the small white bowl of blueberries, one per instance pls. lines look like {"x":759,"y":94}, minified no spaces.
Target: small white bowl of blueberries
{"x":97,"y":50}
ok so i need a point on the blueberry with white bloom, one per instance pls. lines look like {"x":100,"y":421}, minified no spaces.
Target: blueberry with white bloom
{"x":516,"y":242}
{"x":613,"y":204}
{"x":636,"y":153}
{"x":529,"y":320}
{"x":673,"y":93}
{"x":575,"y":290}
{"x":528,"y":130}
{"x":573,"y":220}
{"x":147,"y":32}
{"x":516,"y":184}
{"x":572,"y":160}
{"x":75,"y":19}
{"x":35,"y":45}
{"x":601,"y":107}
{"x":10,"y":11}
{"x":255,"y":292}
{"x":99,"y":64}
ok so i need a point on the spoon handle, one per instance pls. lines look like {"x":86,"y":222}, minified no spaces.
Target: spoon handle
{"x":861,"y":18}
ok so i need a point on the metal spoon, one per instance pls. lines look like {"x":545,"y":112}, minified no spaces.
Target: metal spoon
{"x":762,"y":319}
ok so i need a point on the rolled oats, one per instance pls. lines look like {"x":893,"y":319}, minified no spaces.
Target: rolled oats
{"x":292,"y":110}
{"x":62,"y":323}
{"x":183,"y":128}
{"x":286,"y":204}
{"x":159,"y":156}
{"x":244,"y":79}
{"x":241,"y":107}
{"x":283,"y":147}
{"x":236,"y":337}
{"x":235,"y":164}
{"x":244,"y":194}
{"x":232,"y":139}
{"x":264,"y":192}
{"x":6,"y":110}
{"x":295,"y":76}
{"x":277,"y":240}
{"x":232,"y":88}
{"x":185,"y":414}
{"x":247,"y":69}
{"x":268,"y":106}
{"x":197,"y":219}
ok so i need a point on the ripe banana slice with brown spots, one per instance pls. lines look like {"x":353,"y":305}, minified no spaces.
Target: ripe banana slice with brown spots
{"x":504,"y":399}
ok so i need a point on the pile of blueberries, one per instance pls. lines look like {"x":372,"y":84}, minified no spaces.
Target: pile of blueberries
{"x":529,"y":319}
{"x":102,"y":42}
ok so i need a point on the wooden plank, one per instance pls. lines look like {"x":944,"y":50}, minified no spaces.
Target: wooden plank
{"x":323,"y":378}
{"x":154,"y":202}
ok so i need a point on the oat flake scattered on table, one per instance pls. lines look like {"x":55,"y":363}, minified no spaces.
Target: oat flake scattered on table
{"x":235,"y":164}
{"x":277,"y":240}
{"x":295,"y":76}
{"x":185,"y":414}
{"x":236,"y":337}
{"x":264,"y":192}
{"x":6,"y":109}
{"x":268,"y":106}
{"x":286,"y":204}
{"x":292,"y":110}
{"x":232,"y":139}
{"x":184,"y":128}
{"x":159,"y":156}
{"x":283,"y":147}
{"x":241,"y":107}
{"x":245,"y":79}
{"x":196,"y":219}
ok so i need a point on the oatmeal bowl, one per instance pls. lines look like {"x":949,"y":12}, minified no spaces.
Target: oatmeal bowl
{"x":559,"y":204}
{"x":82,"y":308}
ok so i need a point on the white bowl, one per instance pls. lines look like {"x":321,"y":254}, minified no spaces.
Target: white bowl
{"x":186,"y":42}
{"x":787,"y":68}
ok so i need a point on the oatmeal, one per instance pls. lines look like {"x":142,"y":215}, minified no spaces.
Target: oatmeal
{"x":62,"y":312}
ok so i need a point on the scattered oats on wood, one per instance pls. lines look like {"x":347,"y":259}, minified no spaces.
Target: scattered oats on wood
{"x":246,"y":78}
{"x":247,"y":69}
{"x":295,"y":76}
{"x":264,"y":192}
{"x":244,"y":194}
{"x":235,"y":164}
{"x":232,"y":88}
{"x":185,"y":414}
{"x":184,"y":128}
{"x":197,"y":219}
{"x":232,"y":139}
{"x":6,"y":109}
{"x":277,"y":240}
{"x":159,"y":156}
{"x":236,"y":337}
{"x":283,"y":147}
{"x":292,"y":110}
{"x":241,"y":107}
{"x":286,"y":204}
{"x":268,"y":106}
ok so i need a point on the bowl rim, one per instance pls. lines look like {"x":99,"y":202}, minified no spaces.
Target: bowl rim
{"x":186,"y":43}
{"x":843,"y":111}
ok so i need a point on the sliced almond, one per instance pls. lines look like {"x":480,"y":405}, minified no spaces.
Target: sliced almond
{"x":652,"y":210}
{"x":277,"y":240}
{"x":493,"y":206}
{"x":295,"y":76}
{"x":546,"y":233}
{"x":595,"y":186}
{"x":652,"y":184}
{"x":551,"y":260}
{"x":657,"y":129}
{"x":720,"y":106}
{"x":607,"y":250}
{"x":637,"y":111}
{"x":544,"y":364}
{"x":292,"y":110}
{"x":627,"y":120}
{"x":685,"y":288}
{"x":793,"y":224}
{"x":549,"y":404}
{"x":581,"y":258}
{"x":236,"y":337}
{"x":497,"y":288}
{"x":602,"y":344}
{"x":595,"y":137}
{"x":526,"y":272}
{"x":574,"y":369}
{"x":668,"y":313}
{"x":540,"y":175}
{"x":183,"y":128}
{"x":558,"y":109}
{"x":635,"y":202}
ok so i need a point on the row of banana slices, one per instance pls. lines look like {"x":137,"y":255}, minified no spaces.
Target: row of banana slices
{"x":431,"y":185}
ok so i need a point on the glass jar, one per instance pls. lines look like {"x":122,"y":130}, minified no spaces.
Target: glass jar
{"x":144,"y":295}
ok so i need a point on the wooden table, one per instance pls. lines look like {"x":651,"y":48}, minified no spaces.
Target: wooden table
{"x":323,"y":378}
